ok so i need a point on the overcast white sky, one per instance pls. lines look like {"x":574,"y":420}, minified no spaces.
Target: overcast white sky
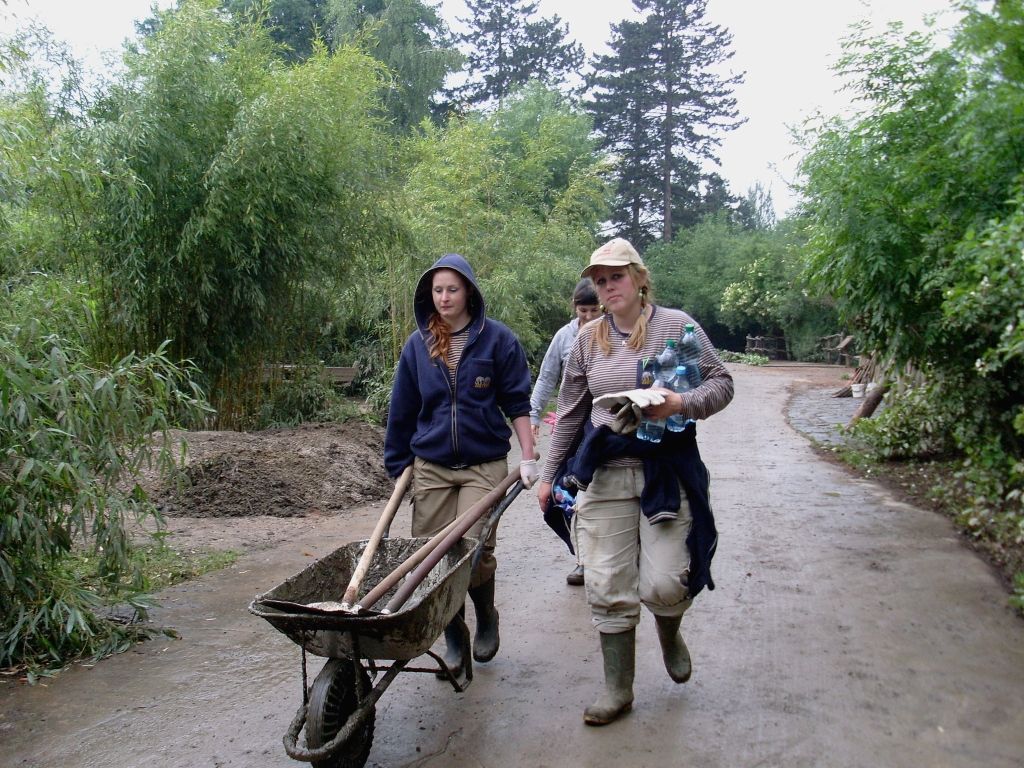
{"x":786,"y":48}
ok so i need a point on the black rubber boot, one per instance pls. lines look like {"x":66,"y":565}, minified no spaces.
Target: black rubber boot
{"x":456,"y":638}
{"x":486,"y":640}
{"x":673,"y":649}
{"x":619,"y":653}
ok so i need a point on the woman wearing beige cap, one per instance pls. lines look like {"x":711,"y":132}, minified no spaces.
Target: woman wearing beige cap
{"x":643,"y":521}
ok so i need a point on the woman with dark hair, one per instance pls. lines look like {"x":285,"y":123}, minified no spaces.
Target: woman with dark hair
{"x":461,"y":378}
{"x":585,"y":309}
{"x":643,"y":522}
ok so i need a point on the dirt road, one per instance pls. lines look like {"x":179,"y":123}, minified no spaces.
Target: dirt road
{"x":847,"y":629}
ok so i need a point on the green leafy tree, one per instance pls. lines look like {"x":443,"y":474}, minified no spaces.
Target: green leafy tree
{"x":738,"y":281}
{"x":772,"y":296}
{"x":521,"y":194}
{"x":415,"y":45}
{"x":621,"y":101}
{"x":876,"y":245}
{"x":756,"y":210}
{"x":885,"y":235}
{"x":508,"y":48}
{"x":47,"y":162}
{"x":8,"y":52}
{"x":295,"y":25}
{"x":710,"y":196}
{"x":234,"y":182}
{"x":984,"y":305}
{"x":694,"y":270}
{"x":407,"y":36}
{"x":661,"y":107}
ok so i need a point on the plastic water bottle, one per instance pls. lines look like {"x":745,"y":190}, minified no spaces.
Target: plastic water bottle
{"x":689,"y":355}
{"x":651,"y":430}
{"x":677,"y":422}
{"x":667,"y":361}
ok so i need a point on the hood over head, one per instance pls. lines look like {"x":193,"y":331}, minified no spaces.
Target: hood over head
{"x":423,"y":302}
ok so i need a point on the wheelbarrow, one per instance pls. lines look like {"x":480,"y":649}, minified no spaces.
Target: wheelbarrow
{"x":424,"y":580}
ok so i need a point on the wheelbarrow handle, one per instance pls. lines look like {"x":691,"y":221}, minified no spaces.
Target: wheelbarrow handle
{"x":492,"y":520}
{"x":378,"y":533}
{"x":443,"y":541}
{"x":466,"y":521}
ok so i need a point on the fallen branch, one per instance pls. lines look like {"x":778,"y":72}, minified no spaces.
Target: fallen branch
{"x":871,"y":402}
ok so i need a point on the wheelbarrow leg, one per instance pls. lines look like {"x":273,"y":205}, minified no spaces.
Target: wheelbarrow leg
{"x":457,"y":656}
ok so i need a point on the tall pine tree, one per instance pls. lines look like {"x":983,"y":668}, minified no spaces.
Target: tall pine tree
{"x":507,"y":49}
{"x":412,"y":40}
{"x":292,"y":23}
{"x":661,"y":108}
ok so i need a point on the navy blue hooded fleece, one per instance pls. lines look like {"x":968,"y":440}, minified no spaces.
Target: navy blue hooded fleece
{"x":466,"y":424}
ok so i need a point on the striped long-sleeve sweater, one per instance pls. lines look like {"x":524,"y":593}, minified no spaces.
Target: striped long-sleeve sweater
{"x":590,"y":374}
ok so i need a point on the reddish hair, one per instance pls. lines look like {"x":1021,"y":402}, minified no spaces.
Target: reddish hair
{"x":440,"y":337}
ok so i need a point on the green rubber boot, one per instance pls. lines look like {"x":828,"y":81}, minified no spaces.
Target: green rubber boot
{"x":486,"y":640}
{"x":673,"y":649}
{"x":619,"y":652}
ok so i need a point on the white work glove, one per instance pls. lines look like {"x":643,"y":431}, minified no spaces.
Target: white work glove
{"x":628,"y":407}
{"x":639,"y":397}
{"x":528,"y":472}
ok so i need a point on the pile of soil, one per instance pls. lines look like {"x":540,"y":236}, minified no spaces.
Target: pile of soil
{"x":312,"y":469}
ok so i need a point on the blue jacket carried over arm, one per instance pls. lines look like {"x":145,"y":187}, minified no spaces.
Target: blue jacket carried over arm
{"x":465,"y":424}
{"x":669,"y":465}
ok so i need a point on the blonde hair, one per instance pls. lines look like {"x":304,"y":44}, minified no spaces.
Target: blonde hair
{"x":638,"y":336}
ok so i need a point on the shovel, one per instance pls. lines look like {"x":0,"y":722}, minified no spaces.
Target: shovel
{"x":449,"y":541}
{"x":378,"y":533}
{"x":438,"y":545}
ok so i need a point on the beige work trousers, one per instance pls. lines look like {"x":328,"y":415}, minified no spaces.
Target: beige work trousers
{"x":441,"y":494}
{"x":628,"y":561}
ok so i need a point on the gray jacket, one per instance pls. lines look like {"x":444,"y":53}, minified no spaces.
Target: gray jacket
{"x":551,"y":368}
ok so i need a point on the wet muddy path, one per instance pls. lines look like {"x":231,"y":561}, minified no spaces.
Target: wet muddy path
{"x":847,"y":629}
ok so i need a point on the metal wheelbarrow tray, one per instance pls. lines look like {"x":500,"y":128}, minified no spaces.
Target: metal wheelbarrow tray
{"x":339,"y":708}
{"x":405,"y":634}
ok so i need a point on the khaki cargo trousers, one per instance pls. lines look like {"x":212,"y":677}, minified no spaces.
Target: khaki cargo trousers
{"x":627,"y":560}
{"x":441,"y":494}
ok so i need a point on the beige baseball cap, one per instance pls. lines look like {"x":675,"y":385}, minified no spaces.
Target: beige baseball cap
{"x":614,"y":253}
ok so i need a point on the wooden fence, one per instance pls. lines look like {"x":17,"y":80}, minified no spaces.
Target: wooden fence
{"x":838,"y":349}
{"x":772,"y":347}
{"x":339,"y":376}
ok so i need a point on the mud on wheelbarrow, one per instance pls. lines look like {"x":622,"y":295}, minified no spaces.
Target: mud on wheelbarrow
{"x":338,"y":709}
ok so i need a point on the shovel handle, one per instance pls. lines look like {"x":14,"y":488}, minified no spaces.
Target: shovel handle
{"x":460,"y":524}
{"x":378,"y":533}
{"x":464,"y":523}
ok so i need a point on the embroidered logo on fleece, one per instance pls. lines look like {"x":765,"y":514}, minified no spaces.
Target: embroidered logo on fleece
{"x":482,"y":382}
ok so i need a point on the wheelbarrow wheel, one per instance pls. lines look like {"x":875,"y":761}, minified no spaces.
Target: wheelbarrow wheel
{"x":332,"y":700}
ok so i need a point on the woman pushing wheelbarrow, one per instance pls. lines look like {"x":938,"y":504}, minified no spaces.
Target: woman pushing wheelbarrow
{"x":461,"y":378}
